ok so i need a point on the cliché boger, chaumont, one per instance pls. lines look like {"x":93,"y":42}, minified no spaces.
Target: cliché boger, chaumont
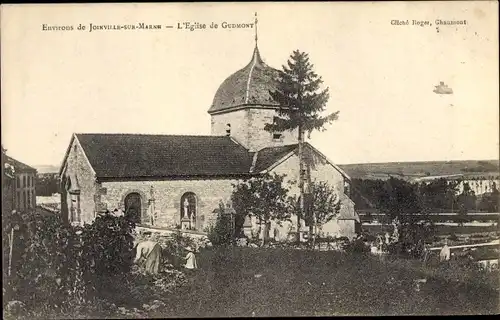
{"x":427,"y":22}
{"x":450,"y":22}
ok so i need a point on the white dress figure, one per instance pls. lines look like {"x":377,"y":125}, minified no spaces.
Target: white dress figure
{"x":444,"y":255}
{"x":190,"y":260}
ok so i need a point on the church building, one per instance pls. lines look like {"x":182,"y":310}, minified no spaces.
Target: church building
{"x":170,"y":181}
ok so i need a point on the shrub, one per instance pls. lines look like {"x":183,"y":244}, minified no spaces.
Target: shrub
{"x":63,"y":266}
{"x":355,"y":246}
{"x":221,"y":233}
{"x":173,"y":248}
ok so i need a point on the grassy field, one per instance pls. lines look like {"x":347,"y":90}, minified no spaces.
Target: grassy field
{"x":241,"y":282}
{"x":420,"y":169}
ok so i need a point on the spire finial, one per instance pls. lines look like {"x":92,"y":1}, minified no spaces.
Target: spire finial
{"x":256,"y":38}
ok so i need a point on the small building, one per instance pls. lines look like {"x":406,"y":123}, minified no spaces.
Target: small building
{"x":20,"y":191}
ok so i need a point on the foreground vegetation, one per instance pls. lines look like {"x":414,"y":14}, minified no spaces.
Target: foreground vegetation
{"x":239,"y":282}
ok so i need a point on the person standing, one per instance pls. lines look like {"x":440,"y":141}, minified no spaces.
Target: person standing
{"x":191,"y":263}
{"x":445,"y":253}
{"x":148,"y":256}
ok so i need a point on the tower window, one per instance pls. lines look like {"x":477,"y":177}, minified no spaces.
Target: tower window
{"x":276,"y":136}
{"x":228,"y":129}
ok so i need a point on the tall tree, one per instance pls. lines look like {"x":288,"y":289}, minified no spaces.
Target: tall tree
{"x":264,"y":197}
{"x":302,"y":102}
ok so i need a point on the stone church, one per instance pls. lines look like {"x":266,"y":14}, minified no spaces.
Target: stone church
{"x":169,"y":181}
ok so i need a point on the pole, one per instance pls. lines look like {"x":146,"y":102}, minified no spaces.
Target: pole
{"x":10,"y":249}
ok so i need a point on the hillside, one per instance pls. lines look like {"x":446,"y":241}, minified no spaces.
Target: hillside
{"x":47,"y":169}
{"x":411,"y":170}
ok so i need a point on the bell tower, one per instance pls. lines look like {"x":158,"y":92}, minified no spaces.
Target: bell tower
{"x":242,"y":105}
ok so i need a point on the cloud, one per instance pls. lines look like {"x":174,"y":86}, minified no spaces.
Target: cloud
{"x":442,"y":89}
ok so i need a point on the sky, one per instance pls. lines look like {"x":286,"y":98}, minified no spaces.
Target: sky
{"x":381,"y":77}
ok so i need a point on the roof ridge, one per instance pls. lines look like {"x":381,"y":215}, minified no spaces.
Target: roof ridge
{"x":151,"y":134}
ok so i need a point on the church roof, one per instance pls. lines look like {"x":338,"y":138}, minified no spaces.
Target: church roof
{"x":159,"y":156}
{"x":268,"y":156}
{"x":249,"y":86}
{"x":149,"y":156}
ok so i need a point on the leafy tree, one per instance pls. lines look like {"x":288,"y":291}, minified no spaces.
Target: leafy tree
{"x":264,"y":197}
{"x":439,"y":194}
{"x":221,"y":234}
{"x":466,"y":200}
{"x":301,"y":103}
{"x":47,"y":184}
{"x":324,"y":206}
{"x":401,"y":202}
{"x":489,"y":200}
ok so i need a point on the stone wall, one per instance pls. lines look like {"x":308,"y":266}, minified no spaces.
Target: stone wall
{"x":168,"y":195}
{"x":247,"y":127}
{"x":322,"y":171}
{"x":78,"y":165}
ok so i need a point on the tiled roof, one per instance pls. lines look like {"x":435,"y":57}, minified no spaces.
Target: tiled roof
{"x":147,"y":156}
{"x":248,"y":86}
{"x":156,"y":156}
{"x":268,"y":156}
{"x":18,"y":165}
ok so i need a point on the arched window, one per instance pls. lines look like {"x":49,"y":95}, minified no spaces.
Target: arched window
{"x":133,"y":207}
{"x":188,"y":212}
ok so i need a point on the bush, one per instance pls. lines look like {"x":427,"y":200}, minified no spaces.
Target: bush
{"x":221,"y":233}
{"x":355,"y":246}
{"x":63,"y":266}
{"x":46,"y":267}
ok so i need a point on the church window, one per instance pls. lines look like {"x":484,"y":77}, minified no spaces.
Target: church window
{"x":75,"y":207}
{"x":228,"y":129}
{"x":133,"y":207}
{"x":24,"y":182}
{"x":18,"y":181}
{"x":18,"y":199}
{"x":188,"y":212}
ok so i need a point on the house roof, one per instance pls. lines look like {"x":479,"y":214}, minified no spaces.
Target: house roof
{"x":18,"y":165}
{"x":248,"y":86}
{"x":157,"y":156}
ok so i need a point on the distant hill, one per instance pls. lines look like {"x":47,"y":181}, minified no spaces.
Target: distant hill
{"x":47,"y":169}
{"x":412,"y":170}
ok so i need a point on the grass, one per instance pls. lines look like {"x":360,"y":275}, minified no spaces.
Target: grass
{"x":240,"y":282}
{"x":265,"y":282}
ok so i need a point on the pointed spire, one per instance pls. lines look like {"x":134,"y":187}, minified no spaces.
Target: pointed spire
{"x":256,"y":58}
{"x":256,"y":37}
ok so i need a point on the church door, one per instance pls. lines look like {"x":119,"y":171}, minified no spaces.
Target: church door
{"x":133,"y":207}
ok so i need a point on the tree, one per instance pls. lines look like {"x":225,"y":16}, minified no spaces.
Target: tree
{"x":401,"y":202}
{"x":221,"y":234}
{"x":301,"y":103}
{"x":265,"y":197}
{"x":325,"y":205}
